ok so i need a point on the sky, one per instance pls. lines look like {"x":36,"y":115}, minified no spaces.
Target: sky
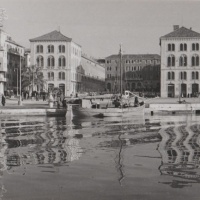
{"x":100,"y":26}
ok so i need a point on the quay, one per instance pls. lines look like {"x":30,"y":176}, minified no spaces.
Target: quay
{"x":30,"y":108}
{"x":172,"y":106}
{"x":157,"y":105}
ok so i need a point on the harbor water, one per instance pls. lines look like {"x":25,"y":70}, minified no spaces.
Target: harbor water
{"x":146,"y":157}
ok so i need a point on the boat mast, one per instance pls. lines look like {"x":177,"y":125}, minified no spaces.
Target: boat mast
{"x":120,"y":61}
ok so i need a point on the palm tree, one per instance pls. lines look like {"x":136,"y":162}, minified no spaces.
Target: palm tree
{"x":32,"y":76}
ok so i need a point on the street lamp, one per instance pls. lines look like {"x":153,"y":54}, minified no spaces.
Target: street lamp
{"x":20,"y":83}
{"x":17,"y":79}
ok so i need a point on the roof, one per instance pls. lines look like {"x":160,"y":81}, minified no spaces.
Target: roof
{"x":13,"y":42}
{"x":135,"y":56}
{"x":52,"y":36}
{"x":182,"y":32}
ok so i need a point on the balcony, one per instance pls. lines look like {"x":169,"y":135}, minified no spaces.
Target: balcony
{"x":50,"y":79}
{"x":3,"y":79}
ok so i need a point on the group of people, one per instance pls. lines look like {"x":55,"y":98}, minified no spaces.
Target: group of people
{"x":61,"y":101}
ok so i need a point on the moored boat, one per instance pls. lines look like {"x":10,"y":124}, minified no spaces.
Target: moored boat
{"x":109,"y":108}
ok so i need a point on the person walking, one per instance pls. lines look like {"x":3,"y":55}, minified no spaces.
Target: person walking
{"x":3,"y":100}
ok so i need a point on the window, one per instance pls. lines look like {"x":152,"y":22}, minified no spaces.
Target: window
{"x":50,"y":61}
{"x":195,"y":60}
{"x":61,"y":48}
{"x":183,"y":60}
{"x":50,"y":49}
{"x":39,"y":49}
{"x":195,"y":47}
{"x":171,"y":76}
{"x":183,"y":75}
{"x":61,"y":75}
{"x":40,"y":61}
{"x":171,"y":61}
{"x":61,"y":61}
{"x":195,"y":75}
{"x":183,"y":47}
{"x":50,"y":76}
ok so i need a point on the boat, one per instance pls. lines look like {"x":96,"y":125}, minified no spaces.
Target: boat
{"x":117,"y":105}
{"x":126,"y":105}
{"x":107,"y":112}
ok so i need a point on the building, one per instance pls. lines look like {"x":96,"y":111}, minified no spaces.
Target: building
{"x":91,"y":75}
{"x":180,"y":63}
{"x":139,"y":72}
{"x":59,"y":57}
{"x":11,"y":56}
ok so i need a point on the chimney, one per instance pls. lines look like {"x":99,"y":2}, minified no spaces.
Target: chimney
{"x":190,"y":28}
{"x":176,"y":27}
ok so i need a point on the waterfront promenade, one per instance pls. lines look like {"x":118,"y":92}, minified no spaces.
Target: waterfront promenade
{"x":30,"y":107}
{"x":33,"y":107}
{"x":31,"y":104}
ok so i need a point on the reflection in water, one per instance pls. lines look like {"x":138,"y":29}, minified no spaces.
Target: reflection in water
{"x":49,"y":143}
{"x":33,"y":141}
{"x":180,"y":153}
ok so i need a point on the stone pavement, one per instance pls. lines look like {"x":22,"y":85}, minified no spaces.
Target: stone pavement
{"x":31,"y":104}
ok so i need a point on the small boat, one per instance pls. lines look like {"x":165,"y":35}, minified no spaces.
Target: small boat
{"x":107,"y":112}
{"x":124,"y":107}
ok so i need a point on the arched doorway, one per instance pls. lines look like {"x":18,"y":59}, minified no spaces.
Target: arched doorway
{"x":109,"y":87}
{"x":50,"y":87}
{"x":195,"y":89}
{"x":183,"y":90}
{"x":62,"y":87}
{"x":133,"y":86}
{"x":128,"y":86}
{"x":171,"y":91}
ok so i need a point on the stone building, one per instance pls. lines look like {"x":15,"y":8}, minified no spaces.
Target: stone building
{"x":10,"y":55}
{"x":59,"y":57}
{"x":139,"y":72}
{"x":91,"y":75}
{"x":180,"y":63}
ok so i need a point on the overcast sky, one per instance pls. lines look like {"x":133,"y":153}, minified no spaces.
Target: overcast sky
{"x":99,"y":26}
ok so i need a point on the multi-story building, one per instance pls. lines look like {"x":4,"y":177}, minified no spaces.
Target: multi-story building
{"x":59,"y":57}
{"x":91,"y":75}
{"x":137,"y":72}
{"x":11,"y":56}
{"x":180,"y":63}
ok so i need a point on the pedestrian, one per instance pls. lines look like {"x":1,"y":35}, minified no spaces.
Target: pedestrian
{"x":26,"y":95}
{"x":22,"y":95}
{"x":43,"y":96}
{"x":3,"y":100}
{"x":64,"y":102}
{"x":37,"y":96}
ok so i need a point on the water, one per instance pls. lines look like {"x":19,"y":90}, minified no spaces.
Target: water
{"x":152,"y":157}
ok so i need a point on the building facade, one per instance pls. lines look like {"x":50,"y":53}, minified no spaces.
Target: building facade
{"x":11,"y":57}
{"x":59,"y":57}
{"x":137,"y":72}
{"x":180,"y":63}
{"x":91,"y":75}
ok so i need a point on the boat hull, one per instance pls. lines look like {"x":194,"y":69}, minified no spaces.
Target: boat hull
{"x":107,"y":112}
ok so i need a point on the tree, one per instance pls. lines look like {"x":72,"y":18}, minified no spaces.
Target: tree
{"x":32,"y":76}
